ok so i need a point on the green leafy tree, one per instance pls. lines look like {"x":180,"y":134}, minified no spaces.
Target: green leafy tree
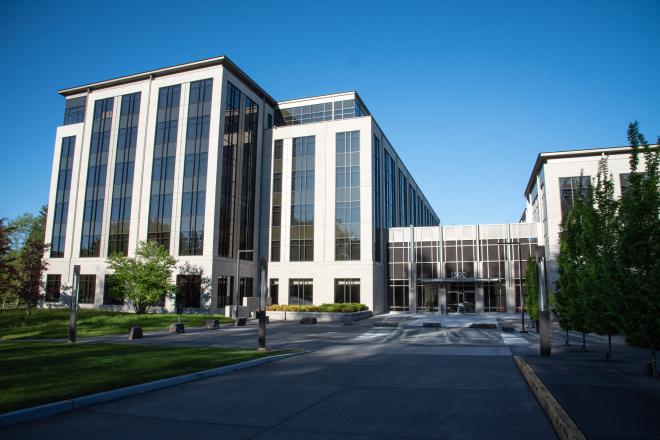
{"x":599,"y":244}
{"x":31,"y":262}
{"x":144,"y":279}
{"x":639,"y":246}
{"x":571,"y":298}
{"x":532,"y":287}
{"x":7,"y":267}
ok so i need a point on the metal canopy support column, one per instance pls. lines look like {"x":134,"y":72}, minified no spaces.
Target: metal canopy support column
{"x":412,"y":273}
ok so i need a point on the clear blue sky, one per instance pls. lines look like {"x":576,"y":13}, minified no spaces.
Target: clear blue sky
{"x":468,"y":92}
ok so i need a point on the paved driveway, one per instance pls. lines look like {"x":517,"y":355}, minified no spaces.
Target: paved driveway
{"x":358,"y":382}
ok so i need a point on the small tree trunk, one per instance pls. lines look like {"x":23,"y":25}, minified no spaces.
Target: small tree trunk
{"x":584,"y":341}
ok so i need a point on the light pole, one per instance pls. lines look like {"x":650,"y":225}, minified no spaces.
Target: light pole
{"x":522,"y":298}
{"x":237,"y":286}
{"x":73,"y":317}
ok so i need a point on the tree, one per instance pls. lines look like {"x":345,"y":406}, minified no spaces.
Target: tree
{"x":600,"y":247}
{"x":532,"y":287}
{"x":571,"y":298}
{"x":639,"y":246}
{"x":7,"y":267}
{"x":31,"y":260}
{"x":144,"y":279}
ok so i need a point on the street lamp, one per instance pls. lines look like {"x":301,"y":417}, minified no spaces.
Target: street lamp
{"x":522,"y":298}
{"x":237,"y":286}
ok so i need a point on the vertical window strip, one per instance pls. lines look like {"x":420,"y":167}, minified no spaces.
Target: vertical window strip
{"x":228,"y":184}
{"x":96,"y":177}
{"x":276,"y":214}
{"x":248,"y":178}
{"x":390,"y":192}
{"x":302,"y":200}
{"x":61,"y":213}
{"x":122,"y":190}
{"x":162,"y":177}
{"x":193,"y":201}
{"x":347,"y":196}
{"x":376,"y":184}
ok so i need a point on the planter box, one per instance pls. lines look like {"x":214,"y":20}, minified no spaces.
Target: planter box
{"x":320,"y":316}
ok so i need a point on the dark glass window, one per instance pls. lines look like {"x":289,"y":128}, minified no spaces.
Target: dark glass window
{"x":347,"y":290}
{"x":307,"y":114}
{"x":403,"y":200}
{"x":162,"y":176}
{"x":110,"y":293}
{"x":74,"y":110}
{"x":96,"y":177}
{"x":61,"y":212}
{"x":301,"y":292}
{"x":228,"y":182}
{"x":302,"y":200}
{"x":572,"y":188}
{"x":376,"y":206}
{"x":87,"y":289}
{"x":193,"y":201}
{"x":276,"y":215}
{"x":225,"y":291}
{"x":274,"y":291}
{"x":390,"y":192}
{"x":188,"y":291}
{"x":246,"y":288}
{"x":53,"y":287}
{"x":122,"y":189}
{"x":248,"y":177}
{"x":270,"y":121}
{"x":347,"y":196}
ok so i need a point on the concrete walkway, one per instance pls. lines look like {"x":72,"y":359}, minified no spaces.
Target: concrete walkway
{"x":360,"y":382}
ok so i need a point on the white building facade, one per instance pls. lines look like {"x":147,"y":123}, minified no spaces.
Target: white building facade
{"x":202,"y":160}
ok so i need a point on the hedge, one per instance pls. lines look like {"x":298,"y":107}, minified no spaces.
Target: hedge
{"x":332,"y":308}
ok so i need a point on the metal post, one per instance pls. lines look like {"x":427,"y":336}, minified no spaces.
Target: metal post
{"x":544,"y":309}
{"x":412,"y":275}
{"x":73,"y":317}
{"x":262,"y":306}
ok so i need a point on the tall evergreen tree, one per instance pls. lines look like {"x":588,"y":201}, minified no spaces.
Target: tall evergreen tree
{"x":32,"y":263}
{"x":532,"y":288}
{"x":639,"y":246}
{"x":7,"y":268}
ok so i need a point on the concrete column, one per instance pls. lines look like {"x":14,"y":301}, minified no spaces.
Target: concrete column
{"x":479,"y":298}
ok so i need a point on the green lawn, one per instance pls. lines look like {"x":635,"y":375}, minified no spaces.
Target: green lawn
{"x":34,"y":373}
{"x":54,"y":324}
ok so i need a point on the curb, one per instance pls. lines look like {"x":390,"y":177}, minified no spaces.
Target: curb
{"x":562,"y":423}
{"x":50,"y":409}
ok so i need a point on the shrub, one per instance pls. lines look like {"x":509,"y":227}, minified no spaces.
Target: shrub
{"x":332,"y":308}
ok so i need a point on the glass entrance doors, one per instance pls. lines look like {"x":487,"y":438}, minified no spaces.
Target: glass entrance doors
{"x":460,"y":298}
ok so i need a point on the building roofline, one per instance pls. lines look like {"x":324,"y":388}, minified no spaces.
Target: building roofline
{"x":165,"y":71}
{"x":327,"y":95}
{"x":561,"y":154}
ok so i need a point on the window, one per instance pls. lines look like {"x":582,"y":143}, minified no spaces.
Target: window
{"x":74,"y":110}
{"x":122,"y":189}
{"x":246,"y":288}
{"x":403,"y":200}
{"x":225,"y":291}
{"x":302,"y":200}
{"x":572,"y":188}
{"x":274,"y":290}
{"x":53,"y":287}
{"x":248,"y":178}
{"x":276,"y":215}
{"x":301,"y":292}
{"x":347,"y":196}
{"x":399,"y":268}
{"x":347,"y":290}
{"x":188,"y":291}
{"x":307,"y":114}
{"x":191,"y":237}
{"x":87,"y":289}
{"x":270,"y":120}
{"x":96,"y":176}
{"x":376,"y":206}
{"x":162,"y":176}
{"x":390,"y":192}
{"x":61,"y":212}
{"x":228,"y":179}
{"x":111,"y":295}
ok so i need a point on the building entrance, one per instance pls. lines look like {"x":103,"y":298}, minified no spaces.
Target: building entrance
{"x":460,"y":298}
{"x":427,"y":298}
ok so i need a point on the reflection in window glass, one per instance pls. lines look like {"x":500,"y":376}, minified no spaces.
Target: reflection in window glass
{"x":61,"y":212}
{"x":347,"y":196}
{"x":301,"y":292}
{"x":572,"y":188}
{"x":302,"y":200}
{"x":347,"y":290}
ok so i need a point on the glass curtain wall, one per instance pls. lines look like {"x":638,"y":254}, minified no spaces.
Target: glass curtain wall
{"x":122,"y":189}
{"x":248,"y":177}
{"x":90,"y":244}
{"x":399,"y":270}
{"x":276,"y":215}
{"x":61,"y":213}
{"x":191,"y":237}
{"x":377,"y":202}
{"x":302,"y":200}
{"x":347,"y":196}
{"x":162,"y":175}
